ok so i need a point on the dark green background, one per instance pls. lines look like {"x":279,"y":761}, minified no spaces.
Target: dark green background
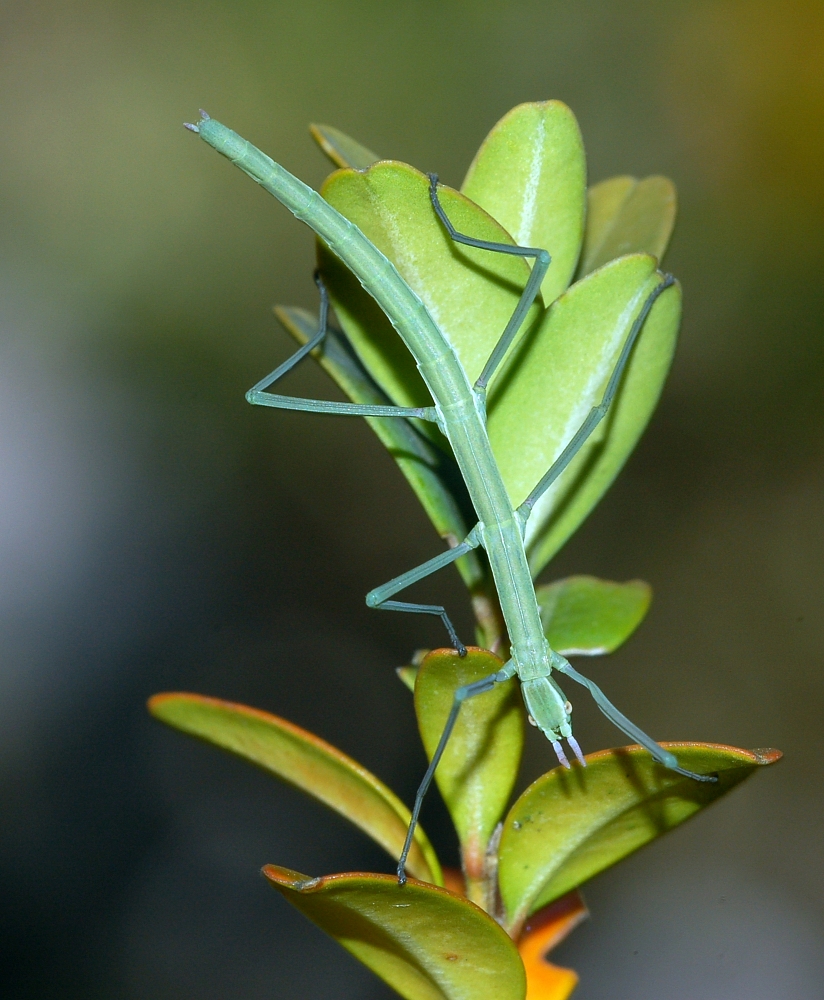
{"x":157,"y":533}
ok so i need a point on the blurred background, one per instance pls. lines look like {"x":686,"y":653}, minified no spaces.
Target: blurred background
{"x":156,"y":533}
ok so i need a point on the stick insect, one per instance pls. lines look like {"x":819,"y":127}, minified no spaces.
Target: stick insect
{"x":459,"y":410}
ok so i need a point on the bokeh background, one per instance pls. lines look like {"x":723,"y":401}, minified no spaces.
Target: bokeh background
{"x":157,"y":533}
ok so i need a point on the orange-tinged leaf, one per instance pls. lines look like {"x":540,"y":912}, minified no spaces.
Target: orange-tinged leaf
{"x":570,"y":825}
{"x":425,"y":942}
{"x":305,"y":761}
{"x":543,"y":931}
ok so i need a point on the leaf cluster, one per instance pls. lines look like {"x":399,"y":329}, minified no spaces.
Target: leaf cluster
{"x":443,"y":936}
{"x":485,"y":931}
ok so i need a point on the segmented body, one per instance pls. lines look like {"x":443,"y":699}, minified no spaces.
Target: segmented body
{"x":460,"y":415}
{"x":459,"y":410}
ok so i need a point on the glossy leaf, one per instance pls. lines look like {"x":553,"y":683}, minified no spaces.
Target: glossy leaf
{"x":558,"y":373}
{"x":604,"y":203}
{"x":305,"y":761}
{"x":426,"y":943}
{"x":627,"y":216}
{"x":543,"y":932}
{"x":568,"y":502}
{"x":585,"y":616}
{"x":480,"y":764}
{"x":530,"y":175}
{"x":470,"y":293}
{"x":430,"y":470}
{"x":407,"y":675}
{"x":570,"y":825}
{"x":341,"y":149}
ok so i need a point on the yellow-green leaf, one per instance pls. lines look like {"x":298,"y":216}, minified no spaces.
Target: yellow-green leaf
{"x":585,"y":616}
{"x":341,"y":149}
{"x":426,"y":943}
{"x":558,"y":373}
{"x":407,"y":675}
{"x":470,"y":293}
{"x":570,"y":825}
{"x":480,"y":764}
{"x":627,"y":216}
{"x":530,"y":175}
{"x":305,"y":761}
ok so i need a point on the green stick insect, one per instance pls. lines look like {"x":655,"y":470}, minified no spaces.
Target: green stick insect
{"x":459,"y":410}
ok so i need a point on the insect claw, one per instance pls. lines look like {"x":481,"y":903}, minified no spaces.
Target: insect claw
{"x":190,"y":127}
{"x":576,"y":750}
{"x":205,"y":116}
{"x":559,"y":753}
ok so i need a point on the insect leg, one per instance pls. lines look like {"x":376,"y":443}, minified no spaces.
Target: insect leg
{"x":669,"y":760}
{"x":528,"y":296}
{"x":378,"y":598}
{"x":597,"y":413}
{"x":462,"y":694}
{"x":258,"y":396}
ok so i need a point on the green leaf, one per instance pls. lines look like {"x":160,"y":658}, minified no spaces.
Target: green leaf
{"x":342,"y":150}
{"x":627,"y":216}
{"x":408,"y":675}
{"x":426,"y":943}
{"x":585,"y":616}
{"x":470,"y":293}
{"x":480,"y":764}
{"x":530,"y":175}
{"x":558,"y":373}
{"x":570,"y":825}
{"x":305,"y":761}
{"x":430,"y":470}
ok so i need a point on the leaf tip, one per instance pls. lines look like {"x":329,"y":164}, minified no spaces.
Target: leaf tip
{"x":286,"y":878}
{"x":766,"y":755}
{"x":157,"y":702}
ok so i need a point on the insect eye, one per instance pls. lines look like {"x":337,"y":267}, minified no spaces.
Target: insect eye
{"x":568,"y":707}
{"x":532,"y":722}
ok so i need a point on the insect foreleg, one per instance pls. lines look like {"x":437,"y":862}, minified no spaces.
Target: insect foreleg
{"x":462,"y":694}
{"x":528,"y":296}
{"x":259,"y":397}
{"x":597,"y":413}
{"x":669,"y":760}
{"x":378,"y":598}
